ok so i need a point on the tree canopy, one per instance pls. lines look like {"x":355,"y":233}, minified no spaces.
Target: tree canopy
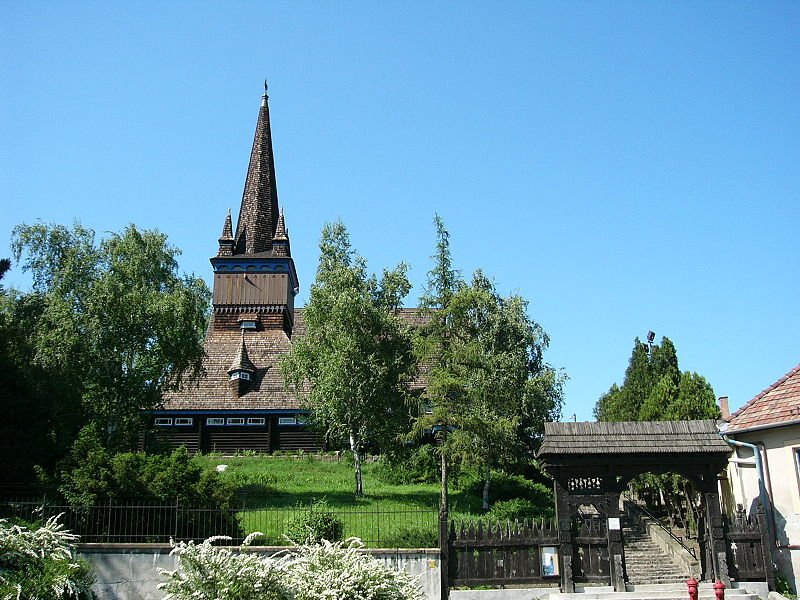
{"x":352,"y":366}
{"x":108,"y":326}
{"x":654,"y":389}
{"x":489,"y":390}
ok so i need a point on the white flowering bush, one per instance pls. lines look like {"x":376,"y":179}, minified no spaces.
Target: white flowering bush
{"x":340,"y":571}
{"x":321,"y":571}
{"x":39,"y":564}
{"x":208,"y":572}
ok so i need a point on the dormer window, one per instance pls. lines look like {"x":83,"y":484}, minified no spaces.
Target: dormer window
{"x":248,"y":324}
{"x":240,"y":375}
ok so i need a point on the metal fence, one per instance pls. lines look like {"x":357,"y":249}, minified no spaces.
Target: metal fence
{"x":158,"y":523}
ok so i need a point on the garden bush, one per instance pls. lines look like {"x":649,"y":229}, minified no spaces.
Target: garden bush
{"x":336,"y":571}
{"x":39,"y":564}
{"x":314,"y":524}
{"x":207,"y":572}
{"x":516,"y":509}
{"x":417,"y":465}
{"x":505,"y":487}
{"x":416,"y":536}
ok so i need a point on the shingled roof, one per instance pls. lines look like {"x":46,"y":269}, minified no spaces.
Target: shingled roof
{"x":777,"y":405}
{"x":263,"y":351}
{"x":633,"y":437}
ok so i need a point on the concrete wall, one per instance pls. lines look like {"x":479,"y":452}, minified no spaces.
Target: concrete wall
{"x":783,"y":487}
{"x":130,"y":571}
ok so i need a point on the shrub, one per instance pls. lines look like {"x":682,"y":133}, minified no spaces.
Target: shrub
{"x":506,"y":487}
{"x":334,"y":570}
{"x":39,"y":563}
{"x":516,"y":509}
{"x":210,"y":573}
{"x":315,"y":524}
{"x":419,"y":465}
{"x":416,"y":536}
{"x":327,"y":570}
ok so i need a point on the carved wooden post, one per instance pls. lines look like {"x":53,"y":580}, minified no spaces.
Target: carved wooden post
{"x":615,"y":552}
{"x":719,"y":551}
{"x":719,"y":590}
{"x":564,"y":518}
{"x":766,"y":546}
{"x":692,"y":585}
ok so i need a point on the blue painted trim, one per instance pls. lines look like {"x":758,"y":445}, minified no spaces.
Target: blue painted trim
{"x":255,"y":264}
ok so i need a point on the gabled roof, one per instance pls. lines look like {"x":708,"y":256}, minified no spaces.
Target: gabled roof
{"x":633,"y":437}
{"x":777,"y":405}
{"x":262,"y":355}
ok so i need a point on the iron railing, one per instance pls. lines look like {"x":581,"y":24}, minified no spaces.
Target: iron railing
{"x":158,"y":523}
{"x":658,"y":522}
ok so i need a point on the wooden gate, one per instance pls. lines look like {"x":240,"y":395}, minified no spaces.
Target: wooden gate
{"x":590,"y":559}
{"x":503,"y":553}
{"x":748,"y":547}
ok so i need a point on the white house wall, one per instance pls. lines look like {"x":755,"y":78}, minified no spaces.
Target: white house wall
{"x":783,"y":487}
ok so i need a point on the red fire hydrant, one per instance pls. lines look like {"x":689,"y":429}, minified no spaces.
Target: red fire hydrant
{"x":692,"y":583}
{"x":719,"y":590}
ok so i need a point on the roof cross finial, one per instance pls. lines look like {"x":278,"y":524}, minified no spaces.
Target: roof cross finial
{"x":264,"y":97}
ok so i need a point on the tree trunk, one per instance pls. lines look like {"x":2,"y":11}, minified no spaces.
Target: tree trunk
{"x":487,"y":478}
{"x":356,"y":448}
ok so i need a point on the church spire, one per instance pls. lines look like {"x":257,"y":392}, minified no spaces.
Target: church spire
{"x":280,"y":243}
{"x":226,"y":241}
{"x":258,"y":214}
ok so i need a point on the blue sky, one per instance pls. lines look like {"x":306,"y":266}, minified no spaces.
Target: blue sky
{"x":625,"y":166}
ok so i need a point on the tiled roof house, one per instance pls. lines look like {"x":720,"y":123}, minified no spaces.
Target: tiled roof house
{"x":770,"y":423}
{"x":240,"y":402}
{"x":776,"y":406}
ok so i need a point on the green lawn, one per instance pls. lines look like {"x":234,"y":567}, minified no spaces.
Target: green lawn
{"x":273,"y":489}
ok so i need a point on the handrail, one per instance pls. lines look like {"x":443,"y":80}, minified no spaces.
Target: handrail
{"x":660,"y":524}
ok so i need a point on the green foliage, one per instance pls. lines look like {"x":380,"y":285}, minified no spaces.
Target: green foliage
{"x":91,"y":475}
{"x":489,"y":390}
{"x":356,"y":357}
{"x":533,"y":497}
{"x":415,"y":465}
{"x":517,"y":509}
{"x":416,"y":536}
{"x":315,"y":523}
{"x":111,"y":323}
{"x":210,"y":573}
{"x":327,"y":570}
{"x":654,"y":389}
{"x":39,"y":563}
{"x":784,"y":587}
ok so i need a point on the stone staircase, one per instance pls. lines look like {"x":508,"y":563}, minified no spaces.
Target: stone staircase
{"x":645,"y":562}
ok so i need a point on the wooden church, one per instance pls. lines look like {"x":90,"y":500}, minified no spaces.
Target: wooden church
{"x":240,"y":402}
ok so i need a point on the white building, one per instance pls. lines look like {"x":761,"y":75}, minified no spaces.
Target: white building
{"x":771,"y":423}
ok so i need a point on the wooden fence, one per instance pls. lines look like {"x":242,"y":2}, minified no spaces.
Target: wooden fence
{"x":486,"y":553}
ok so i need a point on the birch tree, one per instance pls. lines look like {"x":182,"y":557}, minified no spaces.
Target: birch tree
{"x":352,"y":366}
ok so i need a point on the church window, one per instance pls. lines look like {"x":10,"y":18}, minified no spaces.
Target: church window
{"x":255,"y":421}
{"x":287,"y":421}
{"x":183,"y":421}
{"x":162,"y":421}
{"x":235,"y":421}
{"x":215,"y":421}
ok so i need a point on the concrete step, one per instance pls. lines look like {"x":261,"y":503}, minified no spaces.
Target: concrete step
{"x":652,"y":592}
